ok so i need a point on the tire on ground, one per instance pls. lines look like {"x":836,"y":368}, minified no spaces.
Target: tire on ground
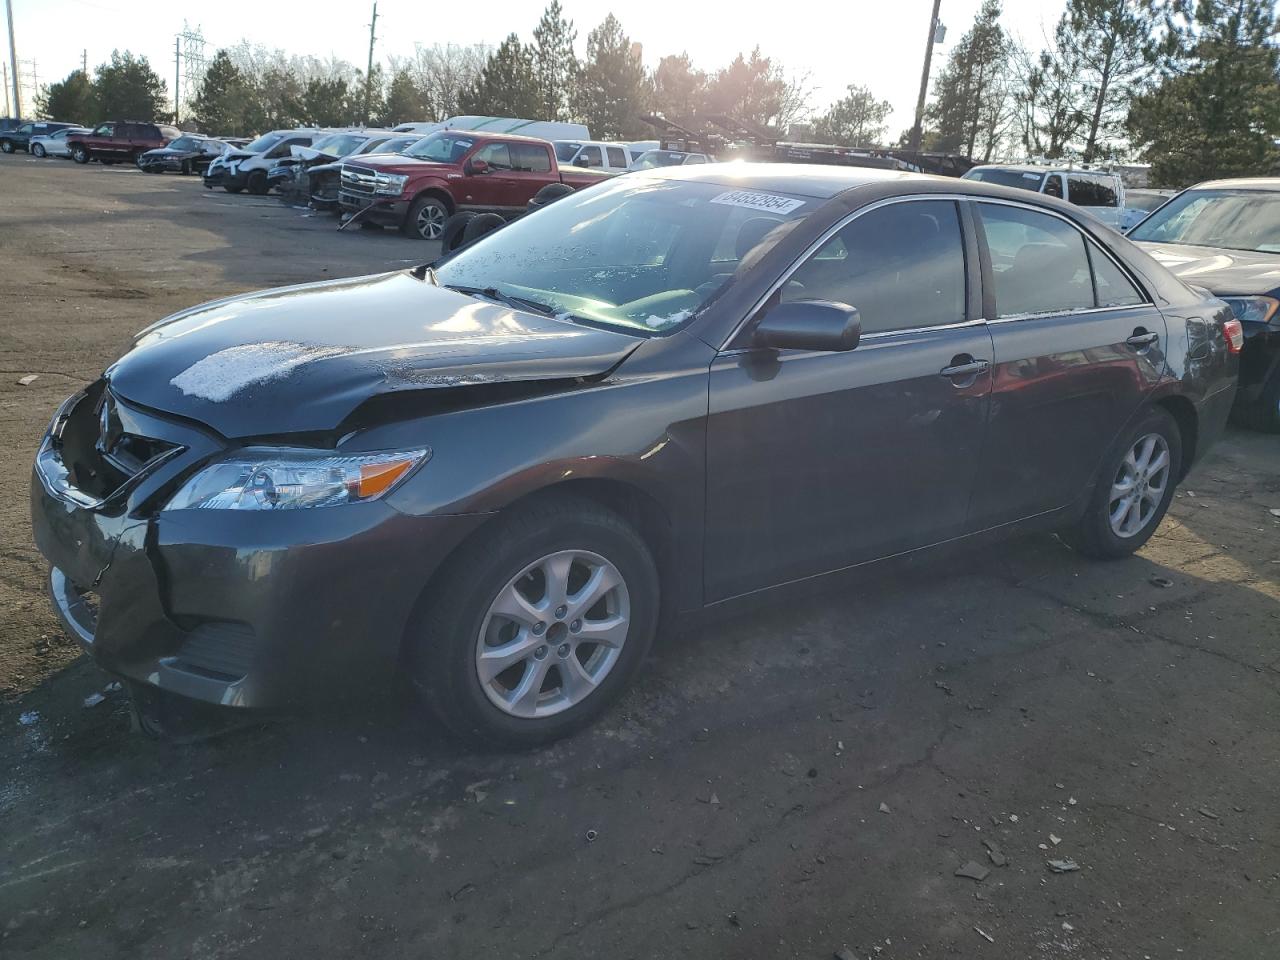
{"x":549,"y":194}
{"x":479,"y":225}
{"x":410,"y":227}
{"x":257,"y":183}
{"x":451,"y":238}
{"x":442,"y":637}
{"x":1092,"y":534}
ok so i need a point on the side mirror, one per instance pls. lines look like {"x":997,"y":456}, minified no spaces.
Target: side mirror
{"x":477,"y":167}
{"x":581,"y":161}
{"x":810,"y":325}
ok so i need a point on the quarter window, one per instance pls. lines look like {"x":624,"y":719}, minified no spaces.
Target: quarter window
{"x":1113,"y":288}
{"x":1091,"y":191}
{"x":1038,"y":262}
{"x":902,"y":265}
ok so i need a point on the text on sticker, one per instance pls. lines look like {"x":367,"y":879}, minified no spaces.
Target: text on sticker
{"x":758,"y":201}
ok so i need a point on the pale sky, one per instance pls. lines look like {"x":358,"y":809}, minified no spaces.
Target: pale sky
{"x":871,"y":42}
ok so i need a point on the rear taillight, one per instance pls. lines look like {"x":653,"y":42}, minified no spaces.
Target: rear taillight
{"x":1233,"y":333}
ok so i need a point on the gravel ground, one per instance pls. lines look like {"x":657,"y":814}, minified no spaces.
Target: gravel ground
{"x":794,"y":783}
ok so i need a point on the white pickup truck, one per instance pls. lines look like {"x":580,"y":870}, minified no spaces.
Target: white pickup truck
{"x":1101,"y":193}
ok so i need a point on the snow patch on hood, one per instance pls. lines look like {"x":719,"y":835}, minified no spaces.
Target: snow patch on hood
{"x":221,"y":375}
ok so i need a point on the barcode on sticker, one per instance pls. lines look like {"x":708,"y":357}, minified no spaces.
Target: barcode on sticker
{"x":767,"y":202}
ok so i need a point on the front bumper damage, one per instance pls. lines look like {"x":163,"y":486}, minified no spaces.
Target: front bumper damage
{"x":242,"y":609}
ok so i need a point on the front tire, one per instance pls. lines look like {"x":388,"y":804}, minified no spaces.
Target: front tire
{"x":1133,"y":490}
{"x":257,"y":183}
{"x":426,"y":219}
{"x":537,"y":626}
{"x":79,"y":154}
{"x":230,"y":188}
{"x":1264,"y":414}
{"x":37,"y":149}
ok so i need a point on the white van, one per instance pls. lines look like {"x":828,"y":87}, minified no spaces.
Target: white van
{"x":542,"y":129}
{"x":594,"y":155}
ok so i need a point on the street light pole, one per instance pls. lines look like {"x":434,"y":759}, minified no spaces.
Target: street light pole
{"x":13,"y":61}
{"x":917,"y":131}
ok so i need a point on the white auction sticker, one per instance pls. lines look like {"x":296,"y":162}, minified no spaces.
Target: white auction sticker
{"x":768,"y":202}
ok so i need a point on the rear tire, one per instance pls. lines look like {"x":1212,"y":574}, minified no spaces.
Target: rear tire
{"x":1130,"y":497}
{"x":231,"y":189}
{"x":479,"y":225}
{"x":458,"y":622}
{"x":451,"y":238}
{"x":1264,"y":414}
{"x":6,"y":146}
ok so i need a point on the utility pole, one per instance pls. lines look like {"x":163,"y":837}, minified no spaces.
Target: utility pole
{"x":13,"y":61}
{"x":917,"y":131}
{"x":4,"y":72}
{"x":84,"y":62}
{"x":177,"y":73}
{"x":368,"y":73}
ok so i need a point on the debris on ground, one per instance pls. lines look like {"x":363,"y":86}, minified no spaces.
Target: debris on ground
{"x":973,"y":870}
{"x":1161,"y":582}
{"x":1206,"y":812}
{"x":1275,"y":511}
{"x":984,"y":935}
{"x":1063,"y":866}
{"x":943,"y":687}
{"x":844,"y":953}
{"x":591,"y":836}
{"x":475,"y":791}
{"x":884,"y":807}
{"x":93,"y":699}
{"x":1067,"y":927}
{"x":1054,"y":840}
{"x":995,"y":854}
{"x":31,"y":378}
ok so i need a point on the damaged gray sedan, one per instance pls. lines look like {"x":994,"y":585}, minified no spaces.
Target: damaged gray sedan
{"x":668,"y":394}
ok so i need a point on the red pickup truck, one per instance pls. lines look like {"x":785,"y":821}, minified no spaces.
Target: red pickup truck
{"x":451,"y":171}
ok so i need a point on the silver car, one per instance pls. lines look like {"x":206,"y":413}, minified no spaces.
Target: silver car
{"x":54,"y":144}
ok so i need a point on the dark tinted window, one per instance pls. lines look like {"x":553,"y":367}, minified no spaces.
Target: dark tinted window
{"x":1038,"y":262}
{"x":1089,"y":191}
{"x":530,"y":158}
{"x":1113,"y":287}
{"x":617,"y":157}
{"x":1053,"y":186}
{"x":1023,"y":179}
{"x":125,"y":131}
{"x":901,"y":265}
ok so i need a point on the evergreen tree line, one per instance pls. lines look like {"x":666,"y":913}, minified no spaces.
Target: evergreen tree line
{"x":1192,"y":87}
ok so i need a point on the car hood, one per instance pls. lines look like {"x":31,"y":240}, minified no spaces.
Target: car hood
{"x":1220,"y":271}
{"x":398,"y":163}
{"x":301,"y":359}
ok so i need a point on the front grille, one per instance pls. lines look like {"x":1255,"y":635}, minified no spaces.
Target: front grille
{"x":357,"y":182}
{"x":220,"y":650}
{"x":99,"y":454}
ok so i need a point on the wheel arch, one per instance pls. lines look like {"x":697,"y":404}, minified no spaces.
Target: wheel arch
{"x":1184,"y":415}
{"x":437,"y":191}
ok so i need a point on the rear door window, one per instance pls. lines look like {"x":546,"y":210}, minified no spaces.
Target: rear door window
{"x":617,"y":157}
{"x":902,"y":265}
{"x":530,"y":158}
{"x":592,"y":156}
{"x":1038,"y":262}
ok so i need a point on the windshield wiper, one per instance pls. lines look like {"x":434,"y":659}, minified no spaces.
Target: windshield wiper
{"x":493,"y":293}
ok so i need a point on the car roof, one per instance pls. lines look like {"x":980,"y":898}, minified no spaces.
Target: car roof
{"x":1041,"y":168}
{"x":1241,"y":183}
{"x":816,"y":180}
{"x":494,"y":135}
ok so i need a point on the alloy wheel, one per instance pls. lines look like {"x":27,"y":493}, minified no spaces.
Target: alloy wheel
{"x":38,"y":150}
{"x":1139,"y":486}
{"x":430,"y":222}
{"x":552,"y":634}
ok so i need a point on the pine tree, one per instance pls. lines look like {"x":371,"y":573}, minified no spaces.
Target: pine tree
{"x":555,"y":66}
{"x":1051,"y":103}
{"x":405,"y":101}
{"x":219,"y":105}
{"x":1111,"y":38}
{"x":679,"y":90}
{"x":1216,"y":110}
{"x":326,"y":102}
{"x":506,"y":86}
{"x":971,"y":96}
{"x":70,"y":99}
{"x":128,"y":89}
{"x":613,"y":91}
{"x":855,"y":120}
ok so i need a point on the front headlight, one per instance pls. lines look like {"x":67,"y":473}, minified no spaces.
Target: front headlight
{"x":390,"y":184}
{"x":1253,"y":309}
{"x":274,"y":479}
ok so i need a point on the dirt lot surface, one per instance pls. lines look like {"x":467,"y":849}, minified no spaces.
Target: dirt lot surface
{"x":792,"y":784}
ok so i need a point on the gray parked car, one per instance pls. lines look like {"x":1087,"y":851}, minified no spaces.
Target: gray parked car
{"x":660,"y":397}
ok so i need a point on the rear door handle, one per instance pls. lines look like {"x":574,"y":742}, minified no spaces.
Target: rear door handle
{"x":1141,"y":338}
{"x":965,"y":369}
